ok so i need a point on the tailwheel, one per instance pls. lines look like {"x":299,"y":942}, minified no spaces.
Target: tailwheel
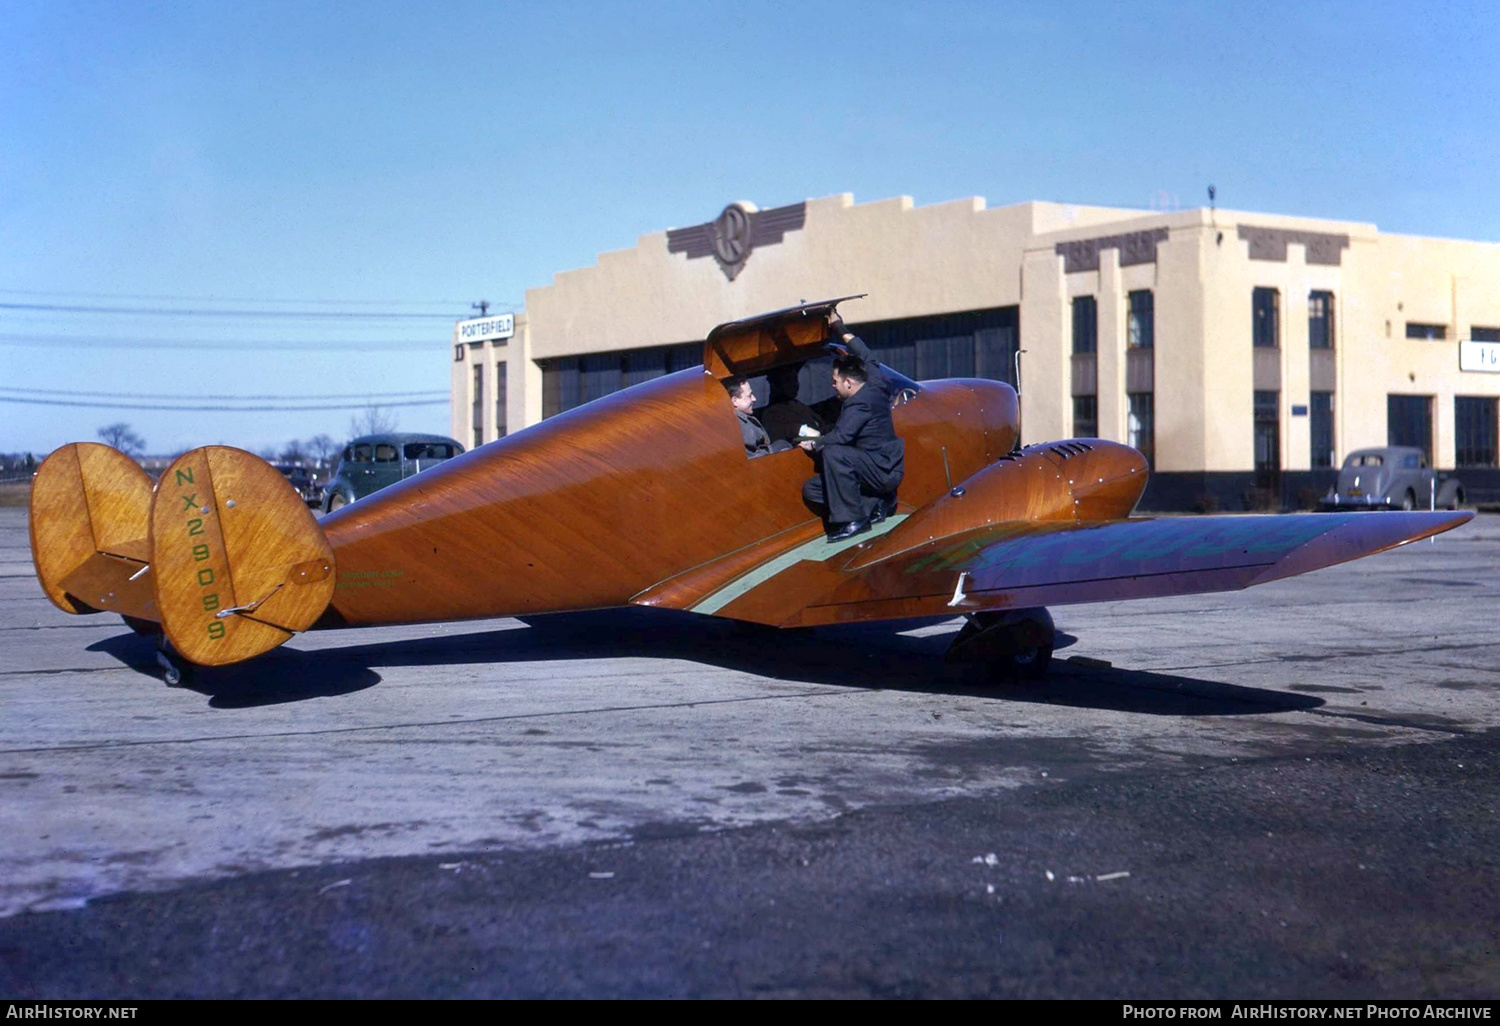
{"x":1016,"y":644}
{"x":175,"y":672}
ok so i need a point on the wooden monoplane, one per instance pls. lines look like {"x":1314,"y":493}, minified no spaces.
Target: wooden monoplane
{"x":646,"y":497}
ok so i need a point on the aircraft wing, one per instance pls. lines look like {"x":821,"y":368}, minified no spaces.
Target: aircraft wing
{"x":1025,"y":564}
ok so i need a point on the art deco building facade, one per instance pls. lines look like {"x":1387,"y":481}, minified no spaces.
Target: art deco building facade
{"x":1245,"y":353}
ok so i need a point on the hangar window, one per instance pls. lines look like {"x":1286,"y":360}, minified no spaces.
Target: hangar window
{"x":1430,"y":331}
{"x":1320,"y":409}
{"x":976,"y":344}
{"x":972,"y":344}
{"x":1320,"y":320}
{"x":500,"y":419}
{"x":1266,"y":319}
{"x":602,"y":374}
{"x":1474,"y":431}
{"x":1085,"y":416}
{"x":478,"y":405}
{"x":1142,"y":325}
{"x":1085,"y":325}
{"x":571,"y":381}
{"x":1409,"y":421}
{"x":1141,"y":423}
{"x":1267,"y":438}
{"x":1478,"y":334}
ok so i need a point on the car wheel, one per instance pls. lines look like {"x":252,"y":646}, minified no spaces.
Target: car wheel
{"x":336,"y":501}
{"x":1408,"y":501}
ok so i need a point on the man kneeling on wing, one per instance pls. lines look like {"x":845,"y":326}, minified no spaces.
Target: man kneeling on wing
{"x":861,"y":460}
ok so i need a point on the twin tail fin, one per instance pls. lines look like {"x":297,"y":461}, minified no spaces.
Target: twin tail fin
{"x":221,"y":551}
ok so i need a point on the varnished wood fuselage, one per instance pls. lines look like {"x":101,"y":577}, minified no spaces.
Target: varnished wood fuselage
{"x":595,"y":506}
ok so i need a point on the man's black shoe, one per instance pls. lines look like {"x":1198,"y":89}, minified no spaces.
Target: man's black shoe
{"x":883,"y":508}
{"x":849,"y":530}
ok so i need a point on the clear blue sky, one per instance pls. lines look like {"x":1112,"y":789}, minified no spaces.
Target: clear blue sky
{"x":415,"y":157}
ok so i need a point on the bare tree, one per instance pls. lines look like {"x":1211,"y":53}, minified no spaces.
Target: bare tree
{"x":293,"y":452}
{"x":121,"y":437}
{"x":323,"y":449}
{"x":374,"y":420}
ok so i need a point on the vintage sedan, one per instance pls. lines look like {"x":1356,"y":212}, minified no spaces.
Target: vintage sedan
{"x":1395,"y":477}
{"x":302,"y":478}
{"x":372,"y":462}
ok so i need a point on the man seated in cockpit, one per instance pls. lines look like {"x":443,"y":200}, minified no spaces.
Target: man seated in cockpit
{"x":784,"y":415}
{"x":757,"y":442}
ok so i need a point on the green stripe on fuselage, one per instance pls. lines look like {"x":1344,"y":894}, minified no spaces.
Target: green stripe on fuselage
{"x":816,"y":551}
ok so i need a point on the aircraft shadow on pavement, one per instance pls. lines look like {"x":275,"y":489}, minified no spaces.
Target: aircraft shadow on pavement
{"x":281,"y":675}
{"x":863,"y":656}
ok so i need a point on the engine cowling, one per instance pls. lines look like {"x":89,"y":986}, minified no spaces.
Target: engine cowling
{"x":1077,"y":481}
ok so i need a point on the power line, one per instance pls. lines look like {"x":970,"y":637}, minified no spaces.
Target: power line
{"x":128,"y":342}
{"x":236,"y":299}
{"x":166,"y":312}
{"x":369,"y":396}
{"x":219,"y":409}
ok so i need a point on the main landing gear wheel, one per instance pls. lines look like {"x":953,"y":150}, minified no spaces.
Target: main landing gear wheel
{"x":1014,"y":645}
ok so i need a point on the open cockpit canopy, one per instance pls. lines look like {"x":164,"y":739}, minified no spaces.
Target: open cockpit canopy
{"x":797,"y":335}
{"x":757,"y":344}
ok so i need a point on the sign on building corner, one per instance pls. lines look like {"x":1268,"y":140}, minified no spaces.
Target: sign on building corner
{"x":485,"y":329}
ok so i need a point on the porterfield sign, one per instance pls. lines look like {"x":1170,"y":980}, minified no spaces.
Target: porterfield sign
{"x":486,"y":329}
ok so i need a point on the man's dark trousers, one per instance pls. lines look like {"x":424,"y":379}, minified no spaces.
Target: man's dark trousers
{"x":851,"y":482}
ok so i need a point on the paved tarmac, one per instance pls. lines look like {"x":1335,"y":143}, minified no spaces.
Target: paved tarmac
{"x":1289,"y":791}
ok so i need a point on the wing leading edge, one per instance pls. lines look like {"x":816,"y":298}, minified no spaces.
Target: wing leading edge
{"x":1024,"y":564}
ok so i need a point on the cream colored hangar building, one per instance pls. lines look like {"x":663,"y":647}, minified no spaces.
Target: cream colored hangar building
{"x":1246,"y":354}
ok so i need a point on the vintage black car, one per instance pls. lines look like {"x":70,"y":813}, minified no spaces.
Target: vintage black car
{"x":371,"y":462}
{"x":303,"y":478}
{"x":1395,"y":477}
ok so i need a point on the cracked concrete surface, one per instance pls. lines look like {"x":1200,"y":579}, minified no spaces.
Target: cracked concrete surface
{"x":502,"y":735}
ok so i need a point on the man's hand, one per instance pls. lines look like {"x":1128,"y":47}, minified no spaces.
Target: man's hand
{"x":808,"y":445}
{"x":835,"y":327}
